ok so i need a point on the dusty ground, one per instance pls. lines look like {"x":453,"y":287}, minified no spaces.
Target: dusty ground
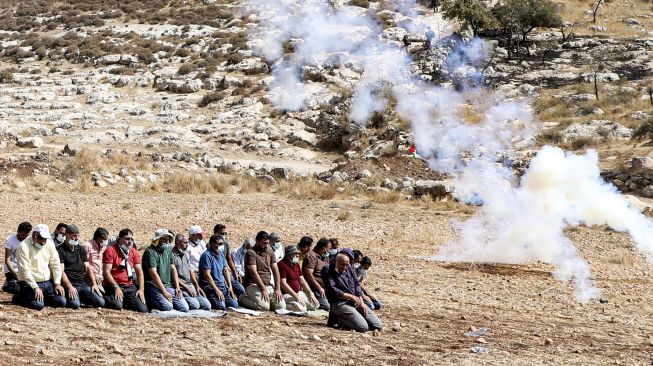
{"x":532,"y":317}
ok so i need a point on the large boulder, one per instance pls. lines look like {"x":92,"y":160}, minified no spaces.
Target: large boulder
{"x":596,"y":129}
{"x":437,"y":189}
{"x":302,"y":138}
{"x":33,"y":142}
{"x":180,"y":86}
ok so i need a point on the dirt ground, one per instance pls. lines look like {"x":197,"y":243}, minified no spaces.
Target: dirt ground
{"x":533,"y":319}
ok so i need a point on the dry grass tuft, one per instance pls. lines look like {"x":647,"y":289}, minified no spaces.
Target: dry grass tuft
{"x":81,"y":165}
{"x":192,"y":184}
{"x":344,"y":215}
{"x":386,"y":197}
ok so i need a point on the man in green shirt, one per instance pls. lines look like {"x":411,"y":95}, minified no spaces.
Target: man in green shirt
{"x":162,"y":291}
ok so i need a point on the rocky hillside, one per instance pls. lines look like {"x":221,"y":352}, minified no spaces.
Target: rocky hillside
{"x":157,"y":87}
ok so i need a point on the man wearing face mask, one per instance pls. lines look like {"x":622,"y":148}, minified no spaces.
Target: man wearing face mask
{"x":312,"y":266}
{"x":297,"y":293}
{"x":193,"y":293}
{"x":348,"y":308}
{"x":276,"y":245}
{"x":261,"y":267}
{"x":334,"y":249}
{"x":94,"y":250}
{"x":162,"y":290}
{"x":196,"y":246}
{"x":39,"y":273}
{"x":239,"y":256}
{"x":236,"y":278}
{"x":215,"y":277}
{"x":120,"y":264}
{"x":59,"y":234}
{"x":77,"y":276}
{"x":11,"y":260}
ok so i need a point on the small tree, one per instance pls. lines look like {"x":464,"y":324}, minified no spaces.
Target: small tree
{"x":473,"y":13}
{"x":523,"y":16}
{"x":595,"y":9}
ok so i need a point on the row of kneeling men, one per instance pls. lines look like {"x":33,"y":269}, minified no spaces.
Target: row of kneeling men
{"x":183,"y":272}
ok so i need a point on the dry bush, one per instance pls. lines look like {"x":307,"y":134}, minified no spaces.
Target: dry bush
{"x":386,"y":197}
{"x":6,"y":76}
{"x":344,"y":215}
{"x":211,"y":97}
{"x":306,"y":188}
{"x":194,"y":184}
{"x":252,"y":184}
{"x":84,"y":184}
{"x":81,"y":165}
{"x":186,"y":69}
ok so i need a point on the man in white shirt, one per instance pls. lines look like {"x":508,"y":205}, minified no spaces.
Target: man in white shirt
{"x":196,"y":247}
{"x":238,"y":255}
{"x":11,"y":261}
{"x":277,"y":247}
{"x":39,"y":272}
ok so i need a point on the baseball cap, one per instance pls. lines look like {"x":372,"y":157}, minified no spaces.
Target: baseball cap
{"x":160,"y":233}
{"x":42,"y":230}
{"x":195,"y":229}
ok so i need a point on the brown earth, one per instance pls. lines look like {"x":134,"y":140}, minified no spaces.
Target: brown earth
{"x":533,"y":318}
{"x":392,"y":167}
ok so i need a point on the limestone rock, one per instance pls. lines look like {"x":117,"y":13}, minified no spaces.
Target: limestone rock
{"x":33,"y":142}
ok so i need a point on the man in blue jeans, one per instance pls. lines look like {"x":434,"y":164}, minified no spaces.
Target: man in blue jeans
{"x":193,"y":293}
{"x":77,"y":276}
{"x":215,"y":277}
{"x":39,"y":273}
{"x":161,"y":275}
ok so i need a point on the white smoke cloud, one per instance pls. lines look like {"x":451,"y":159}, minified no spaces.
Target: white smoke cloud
{"x":518,"y":221}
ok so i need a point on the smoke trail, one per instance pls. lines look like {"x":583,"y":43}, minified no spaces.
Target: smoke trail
{"x":461,"y":130}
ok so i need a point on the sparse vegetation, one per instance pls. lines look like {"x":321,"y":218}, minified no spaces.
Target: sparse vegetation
{"x":210,"y":98}
{"x":194,"y":184}
{"x":644,"y":131}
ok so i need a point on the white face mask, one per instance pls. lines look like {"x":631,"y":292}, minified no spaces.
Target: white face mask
{"x":333,"y":251}
{"x":38,"y":246}
{"x":220,"y":248}
{"x":357,"y":265}
{"x":105,"y":243}
{"x":61,"y":238}
{"x":294,"y":260}
{"x":276,"y":245}
{"x":73,"y":242}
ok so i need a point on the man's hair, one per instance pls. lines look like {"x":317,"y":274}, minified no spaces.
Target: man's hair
{"x":357,"y":253}
{"x":322,"y":243}
{"x":61,"y":225}
{"x":334,"y":241}
{"x":262,"y":235}
{"x":214,"y":238}
{"x":305,"y":241}
{"x":366,"y":260}
{"x":218,"y":227}
{"x":100,"y":233}
{"x":125,"y":232}
{"x":179,"y":238}
{"x":24,"y":227}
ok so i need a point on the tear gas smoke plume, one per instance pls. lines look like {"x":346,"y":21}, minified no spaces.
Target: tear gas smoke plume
{"x":518,"y":221}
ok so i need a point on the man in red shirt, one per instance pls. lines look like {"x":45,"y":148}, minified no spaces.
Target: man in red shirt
{"x":295,"y":288}
{"x":120,"y":263}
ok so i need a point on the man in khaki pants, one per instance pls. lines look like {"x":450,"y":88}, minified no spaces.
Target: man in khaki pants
{"x":260,"y":265}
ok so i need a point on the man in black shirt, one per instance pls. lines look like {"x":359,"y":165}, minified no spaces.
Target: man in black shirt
{"x":77,"y":276}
